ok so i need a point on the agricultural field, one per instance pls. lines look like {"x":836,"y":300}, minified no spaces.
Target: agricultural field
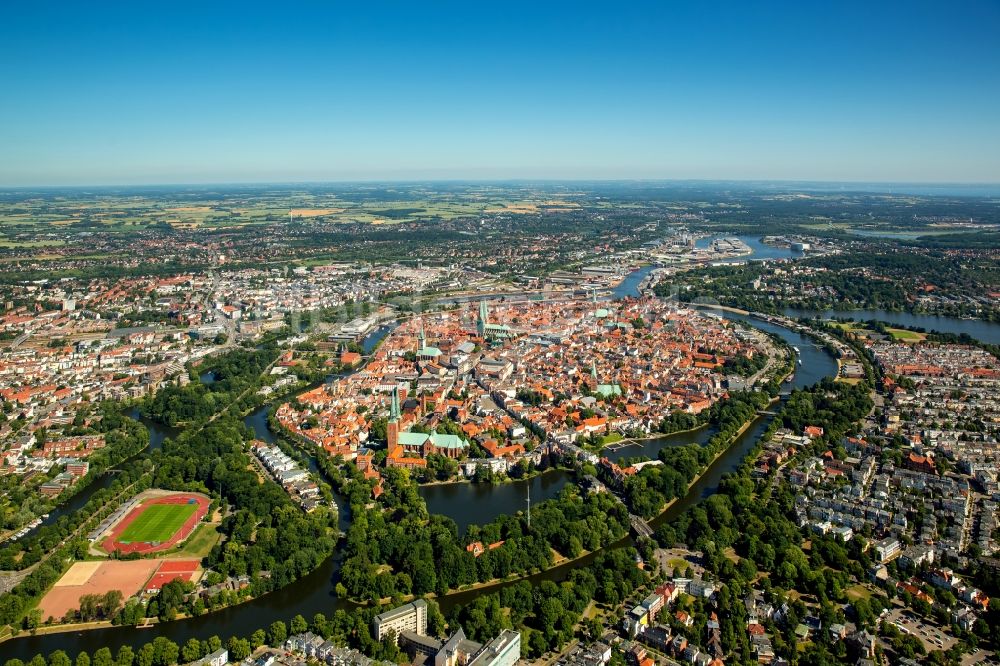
{"x":200,"y":208}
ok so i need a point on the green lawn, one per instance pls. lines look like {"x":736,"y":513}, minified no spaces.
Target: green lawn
{"x":906,"y":336}
{"x":158,"y":522}
{"x":200,"y":543}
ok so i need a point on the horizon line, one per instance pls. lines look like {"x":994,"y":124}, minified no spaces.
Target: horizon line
{"x":516,"y":179}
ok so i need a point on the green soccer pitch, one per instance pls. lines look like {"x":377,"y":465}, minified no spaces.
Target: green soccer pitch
{"x":157,"y":523}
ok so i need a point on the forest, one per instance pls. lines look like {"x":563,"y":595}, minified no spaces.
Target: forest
{"x":263,"y":529}
{"x":235,"y":372}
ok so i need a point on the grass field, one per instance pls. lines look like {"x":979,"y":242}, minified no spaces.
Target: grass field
{"x":902,"y":335}
{"x":858,"y":592}
{"x":851,"y":327}
{"x":898,"y":334}
{"x":200,"y":543}
{"x":158,"y":522}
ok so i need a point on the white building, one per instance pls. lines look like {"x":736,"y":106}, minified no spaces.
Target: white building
{"x":408,"y":617}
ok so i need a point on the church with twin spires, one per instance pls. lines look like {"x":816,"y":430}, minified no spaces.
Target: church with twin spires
{"x":410,"y":449}
{"x":491,"y":332}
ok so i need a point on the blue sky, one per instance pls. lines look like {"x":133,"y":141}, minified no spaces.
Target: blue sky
{"x":105,"y":93}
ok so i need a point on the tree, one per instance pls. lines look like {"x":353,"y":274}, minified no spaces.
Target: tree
{"x":277,"y":633}
{"x":146,"y":655}
{"x":102,"y":657}
{"x":33,"y":619}
{"x":111,"y":602}
{"x":239,"y":648}
{"x":298,"y":625}
{"x":594,"y":628}
{"x":436,"y":624}
{"x":165,"y":652}
{"x":132,"y":614}
{"x":536,"y":644}
{"x":83,"y":659}
{"x":126,"y":657}
{"x":59,"y":658}
{"x":257,"y":639}
{"x":191,"y":650}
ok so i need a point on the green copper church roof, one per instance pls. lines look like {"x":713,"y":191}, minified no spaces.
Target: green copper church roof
{"x":607,"y":390}
{"x":394,"y":411}
{"x":441,"y":441}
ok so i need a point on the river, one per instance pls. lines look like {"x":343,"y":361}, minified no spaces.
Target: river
{"x":984,"y":331}
{"x":629,"y":287}
{"x":706,"y":486}
{"x":760,"y":250}
{"x":465,"y":503}
{"x":816,"y":361}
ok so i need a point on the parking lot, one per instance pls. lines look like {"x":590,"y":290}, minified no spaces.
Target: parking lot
{"x":979,"y":657}
{"x":930,"y":634}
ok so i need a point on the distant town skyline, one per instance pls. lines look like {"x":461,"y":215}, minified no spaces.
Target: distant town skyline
{"x":244,"y":93}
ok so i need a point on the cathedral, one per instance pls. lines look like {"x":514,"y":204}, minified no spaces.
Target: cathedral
{"x":491,"y":332}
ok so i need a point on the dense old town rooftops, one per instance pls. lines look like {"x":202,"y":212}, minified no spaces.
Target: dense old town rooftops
{"x":506,"y":375}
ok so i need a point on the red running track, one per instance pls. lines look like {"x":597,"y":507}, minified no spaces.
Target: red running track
{"x":111,"y":543}
{"x":171,"y":570}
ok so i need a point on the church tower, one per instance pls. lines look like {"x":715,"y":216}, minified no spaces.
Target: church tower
{"x":392,"y":427}
{"x":483,"y":320}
